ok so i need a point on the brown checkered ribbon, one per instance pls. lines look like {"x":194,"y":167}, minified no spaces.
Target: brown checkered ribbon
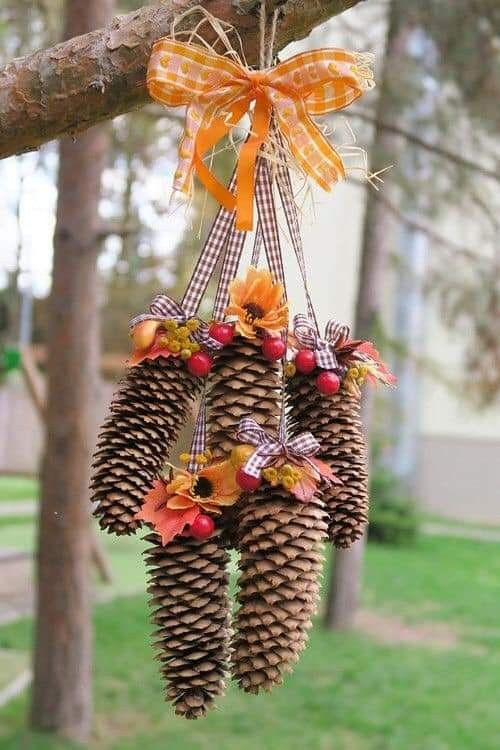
{"x":267,"y":449}
{"x":323,"y":348}
{"x":268,"y":221}
{"x":164,"y":307}
{"x":235,"y":245}
{"x":286,"y":194}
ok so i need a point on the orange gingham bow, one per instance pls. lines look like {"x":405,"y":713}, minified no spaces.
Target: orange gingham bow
{"x":218,"y":92}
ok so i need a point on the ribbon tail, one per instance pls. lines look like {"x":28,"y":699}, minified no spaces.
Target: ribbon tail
{"x":247,"y":164}
{"x":207,"y":138}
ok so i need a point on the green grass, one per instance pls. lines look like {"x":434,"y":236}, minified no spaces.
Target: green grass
{"x":347,"y":693}
{"x":18,"y":488}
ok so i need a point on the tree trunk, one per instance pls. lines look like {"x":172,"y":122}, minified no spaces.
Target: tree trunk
{"x":62,"y":695}
{"x":346,"y":574}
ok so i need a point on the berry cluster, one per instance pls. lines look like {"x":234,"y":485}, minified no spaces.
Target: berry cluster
{"x":287,"y":476}
{"x":327,"y":381}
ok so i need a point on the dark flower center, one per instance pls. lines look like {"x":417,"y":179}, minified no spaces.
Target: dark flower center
{"x":203,"y":487}
{"x":253,"y":312}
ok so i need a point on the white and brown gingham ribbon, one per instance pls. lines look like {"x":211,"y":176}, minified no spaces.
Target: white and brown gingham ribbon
{"x":210,"y":254}
{"x":164,"y":308}
{"x":268,"y":449}
{"x":268,"y":222}
{"x":229,"y":270}
{"x":292,"y":220}
{"x":324,"y":348}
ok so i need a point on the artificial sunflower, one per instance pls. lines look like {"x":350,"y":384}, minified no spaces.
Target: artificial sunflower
{"x":171,"y":506}
{"x":257,"y":304}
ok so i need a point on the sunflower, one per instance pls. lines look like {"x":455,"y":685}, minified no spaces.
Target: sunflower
{"x":211,"y":488}
{"x":172,"y":506}
{"x":257,"y":303}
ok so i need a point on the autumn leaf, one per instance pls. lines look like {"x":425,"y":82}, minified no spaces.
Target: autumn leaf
{"x":325,"y":471}
{"x":166,"y":522}
{"x":304,"y":489}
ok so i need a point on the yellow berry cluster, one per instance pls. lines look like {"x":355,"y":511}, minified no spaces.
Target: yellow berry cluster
{"x":358,"y":373}
{"x":177,"y":338}
{"x":199,"y":458}
{"x":286,"y":475}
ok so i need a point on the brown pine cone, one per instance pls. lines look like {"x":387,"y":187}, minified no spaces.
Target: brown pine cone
{"x":151,"y":405}
{"x":280,"y":540}
{"x":335,"y":423}
{"x":191,"y":609}
{"x":242,"y":384}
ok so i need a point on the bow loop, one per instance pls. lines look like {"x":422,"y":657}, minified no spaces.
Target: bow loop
{"x":324,"y":348}
{"x":218,"y":92}
{"x":268,"y":448}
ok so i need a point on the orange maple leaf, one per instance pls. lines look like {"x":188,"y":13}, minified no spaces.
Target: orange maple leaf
{"x":166,"y":522}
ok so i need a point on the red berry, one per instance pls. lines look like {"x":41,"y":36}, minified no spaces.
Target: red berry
{"x":202,"y":527}
{"x":247,"y":482}
{"x":199,"y":364}
{"x":305,"y":361}
{"x":328,"y":382}
{"x":222,"y":332}
{"x":273,"y":348}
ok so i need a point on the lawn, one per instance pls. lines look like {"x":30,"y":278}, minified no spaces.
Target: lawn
{"x":18,"y":488}
{"x":349,"y":692}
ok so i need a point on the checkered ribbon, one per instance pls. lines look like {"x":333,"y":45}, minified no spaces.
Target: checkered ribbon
{"x":234,"y":250}
{"x":285,"y":189}
{"x":267,"y":449}
{"x":210,"y":254}
{"x":324,"y":348}
{"x":218,"y":92}
{"x":268,"y":222}
{"x":165,"y":308}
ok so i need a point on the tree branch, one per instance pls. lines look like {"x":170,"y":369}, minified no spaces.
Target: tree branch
{"x":97,"y":76}
{"x":444,"y":153}
{"x":419,"y":226}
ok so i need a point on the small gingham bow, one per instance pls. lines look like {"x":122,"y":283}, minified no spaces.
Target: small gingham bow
{"x":165,"y":308}
{"x":218,"y":92}
{"x":323,"y":348}
{"x":268,"y":448}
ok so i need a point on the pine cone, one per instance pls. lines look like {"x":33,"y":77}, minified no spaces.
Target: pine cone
{"x":281,"y":561}
{"x":243,"y":383}
{"x":190,"y":606}
{"x":151,"y":405}
{"x":335,"y":423}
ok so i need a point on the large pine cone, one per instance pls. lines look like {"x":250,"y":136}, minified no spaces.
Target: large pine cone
{"x":335,"y":423}
{"x":281,"y":560}
{"x":190,"y":606}
{"x":151,"y":405}
{"x":243,"y":383}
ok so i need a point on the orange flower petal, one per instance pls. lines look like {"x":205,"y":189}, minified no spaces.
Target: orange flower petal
{"x":180,"y":502}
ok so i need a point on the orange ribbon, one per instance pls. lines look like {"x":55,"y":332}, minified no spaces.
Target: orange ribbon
{"x":218,"y":92}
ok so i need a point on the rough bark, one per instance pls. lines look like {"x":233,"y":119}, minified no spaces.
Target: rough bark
{"x":346,"y":574}
{"x":63,"y":638}
{"x":94,"y":77}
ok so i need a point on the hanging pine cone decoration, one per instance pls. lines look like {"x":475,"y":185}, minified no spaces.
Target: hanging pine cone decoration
{"x":324,"y":397}
{"x":191,"y":611}
{"x":280,"y":541}
{"x":152,"y":404}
